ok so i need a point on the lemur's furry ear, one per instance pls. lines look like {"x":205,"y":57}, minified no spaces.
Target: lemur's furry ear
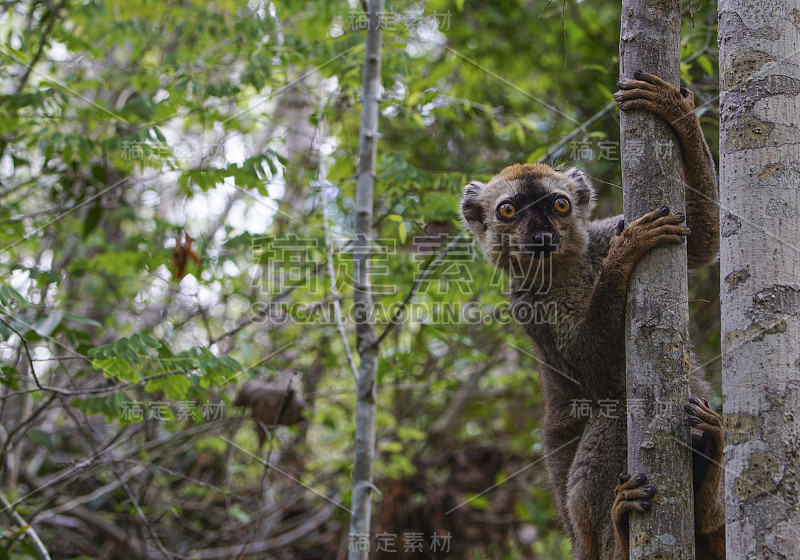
{"x":471,"y":209}
{"x":584,"y":193}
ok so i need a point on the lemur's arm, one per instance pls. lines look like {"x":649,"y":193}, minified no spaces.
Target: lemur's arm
{"x":651,"y":93}
{"x":602,"y":330}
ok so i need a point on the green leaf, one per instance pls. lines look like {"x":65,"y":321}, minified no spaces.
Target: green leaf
{"x":111,"y":406}
{"x":158,"y":135}
{"x":519,"y":134}
{"x":83,"y":320}
{"x":598,"y":67}
{"x":29,"y":549}
{"x":150,"y":341}
{"x":137,"y":344}
{"x":537,"y":155}
{"x":705,"y":64}
{"x":120,"y":347}
{"x":392,"y":447}
{"x":342,"y":169}
{"x":40,"y":437}
{"x":46,"y":326}
{"x":9,"y":294}
{"x":175,"y":387}
{"x":478,"y":502}
{"x":117,"y":368}
{"x":10,"y":377}
{"x":409,"y":433}
{"x":92,"y":219}
{"x":240,"y":514}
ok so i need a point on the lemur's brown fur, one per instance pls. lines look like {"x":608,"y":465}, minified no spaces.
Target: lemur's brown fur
{"x":583,"y":267}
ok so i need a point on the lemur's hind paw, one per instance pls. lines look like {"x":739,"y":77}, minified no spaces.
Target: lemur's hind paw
{"x":631,"y":493}
{"x":707,"y":441}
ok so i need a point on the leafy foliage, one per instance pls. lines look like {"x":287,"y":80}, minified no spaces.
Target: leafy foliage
{"x":125,"y":127}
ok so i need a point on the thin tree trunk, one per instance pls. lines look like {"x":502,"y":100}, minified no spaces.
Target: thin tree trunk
{"x":760,"y":274}
{"x":657,"y":311}
{"x":362,"y":293}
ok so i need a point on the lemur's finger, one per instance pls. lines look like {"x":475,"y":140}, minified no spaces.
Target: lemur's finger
{"x":654,"y":215}
{"x":627,"y":83}
{"x":631,"y":94}
{"x":651,"y":78}
{"x":669,"y":219}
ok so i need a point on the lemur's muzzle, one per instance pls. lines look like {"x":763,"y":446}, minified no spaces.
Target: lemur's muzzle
{"x":544,"y":244}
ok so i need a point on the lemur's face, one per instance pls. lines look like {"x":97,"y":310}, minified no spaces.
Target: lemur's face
{"x":529,"y":213}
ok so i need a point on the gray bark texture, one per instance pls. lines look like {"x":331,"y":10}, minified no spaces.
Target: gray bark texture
{"x":366,"y":400}
{"x":759,"y":48}
{"x":656,"y":346}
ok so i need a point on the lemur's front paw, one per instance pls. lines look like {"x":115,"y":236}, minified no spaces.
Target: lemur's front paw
{"x":651,"y":93}
{"x":658,"y":227}
{"x":707,"y":441}
{"x":631,"y":494}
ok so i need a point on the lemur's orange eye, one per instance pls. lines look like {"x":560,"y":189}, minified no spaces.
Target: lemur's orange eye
{"x":561,"y":205}
{"x":506,"y":211}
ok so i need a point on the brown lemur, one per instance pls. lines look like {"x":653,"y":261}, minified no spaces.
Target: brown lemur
{"x":533,"y":223}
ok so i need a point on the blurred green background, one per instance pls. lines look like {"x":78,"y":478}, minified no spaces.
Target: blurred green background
{"x":161,"y":242}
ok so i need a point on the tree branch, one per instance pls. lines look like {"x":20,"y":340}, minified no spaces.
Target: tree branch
{"x":26,"y":527}
{"x":337,"y":306}
{"x":40,"y":49}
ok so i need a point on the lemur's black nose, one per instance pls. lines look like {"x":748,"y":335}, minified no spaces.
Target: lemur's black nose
{"x":544,"y":243}
{"x":542,"y":238}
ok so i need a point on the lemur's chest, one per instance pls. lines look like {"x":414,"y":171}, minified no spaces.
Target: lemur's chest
{"x":553,"y":313}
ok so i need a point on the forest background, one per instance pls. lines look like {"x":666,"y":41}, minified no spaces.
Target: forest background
{"x":166,"y":170}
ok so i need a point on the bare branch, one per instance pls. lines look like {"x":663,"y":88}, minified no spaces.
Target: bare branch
{"x":337,"y":306}
{"x":367,"y":391}
{"x":40,"y":49}
{"x":26,"y":528}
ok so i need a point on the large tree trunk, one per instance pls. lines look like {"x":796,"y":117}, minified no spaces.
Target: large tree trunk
{"x":760,"y":274}
{"x":362,"y":293}
{"x":657,"y":312}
